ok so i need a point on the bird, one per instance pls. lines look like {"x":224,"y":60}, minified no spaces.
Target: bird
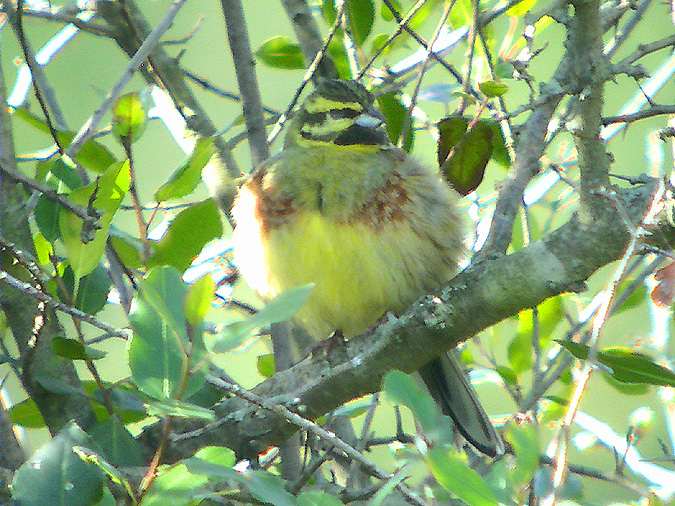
{"x":342,"y":207}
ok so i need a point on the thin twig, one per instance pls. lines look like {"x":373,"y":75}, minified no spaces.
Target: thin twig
{"x":59,"y":17}
{"x":654,"y":110}
{"x":309,"y":73}
{"x":315,"y":429}
{"x":30,"y":290}
{"x":143,"y":51}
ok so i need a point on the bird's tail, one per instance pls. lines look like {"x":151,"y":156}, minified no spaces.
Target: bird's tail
{"x":449,"y":387}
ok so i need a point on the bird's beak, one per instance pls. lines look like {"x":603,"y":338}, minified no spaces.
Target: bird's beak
{"x":370,"y":119}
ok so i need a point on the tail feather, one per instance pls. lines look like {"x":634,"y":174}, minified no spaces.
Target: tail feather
{"x":448,"y":385}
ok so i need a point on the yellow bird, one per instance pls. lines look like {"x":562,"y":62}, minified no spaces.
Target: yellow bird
{"x":343,"y":208}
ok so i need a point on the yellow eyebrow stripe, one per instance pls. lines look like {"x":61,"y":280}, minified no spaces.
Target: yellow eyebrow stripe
{"x":321,"y":104}
{"x":328,"y":127}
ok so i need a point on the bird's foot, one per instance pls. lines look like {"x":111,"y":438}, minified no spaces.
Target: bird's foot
{"x":326,"y":346}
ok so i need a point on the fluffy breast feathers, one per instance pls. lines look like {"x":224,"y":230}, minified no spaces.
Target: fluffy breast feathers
{"x":372,"y":232}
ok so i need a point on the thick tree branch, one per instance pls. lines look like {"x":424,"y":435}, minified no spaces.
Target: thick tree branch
{"x":479,"y":297}
{"x":244,"y":67}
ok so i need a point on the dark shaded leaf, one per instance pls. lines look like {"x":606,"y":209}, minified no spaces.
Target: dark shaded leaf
{"x":397,"y":119}
{"x":73,"y":349}
{"x":117,"y":444}
{"x":627,"y":365}
{"x":315,"y":498}
{"x":465,"y":166}
{"x":282,"y":53}
{"x":92,"y":291}
{"x":55,"y":475}
{"x":361,"y":15}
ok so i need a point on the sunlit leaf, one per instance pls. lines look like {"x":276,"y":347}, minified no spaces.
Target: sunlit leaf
{"x":525,"y":444}
{"x":185,"y":178}
{"x":461,"y":14}
{"x":189,"y":231}
{"x":493,"y":89}
{"x":107,"y":194}
{"x":282,"y":53}
{"x":265,"y":365}
{"x":520,"y":9}
{"x":92,"y":155}
{"x":55,"y":475}
{"x":129,"y":117}
{"x":173,"y":407}
{"x":26,"y":414}
{"x":454,"y":474}
{"x":198,"y":300}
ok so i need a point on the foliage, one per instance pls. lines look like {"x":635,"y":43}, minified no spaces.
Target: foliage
{"x":161,"y":271}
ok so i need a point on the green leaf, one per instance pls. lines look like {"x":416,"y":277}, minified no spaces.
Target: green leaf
{"x":128,"y":248}
{"x":56,"y":476}
{"x":315,"y":498}
{"x":386,"y":14}
{"x":353,"y":409}
{"x":185,"y":178}
{"x":189,"y":231}
{"x":465,"y":167}
{"x":279,"y":309}
{"x":73,"y":349}
{"x":198,"y":300}
{"x":635,"y":299}
{"x":47,"y":218}
{"x":361,"y":15}
{"x":451,"y":130}
{"x":455,"y":476}
{"x":328,"y":11}
{"x":107,"y":194}
{"x":626,"y":388}
{"x":282,"y":53}
{"x":266,"y":366}
{"x":172,"y":407}
{"x":92,"y":155}
{"x":118,"y":445}
{"x":500,"y":152}
{"x":461,"y":14}
{"x":26,"y":414}
{"x":129,"y":117}
{"x":519,"y":10}
{"x":157,"y":352}
{"x":508,"y":375}
{"x":91,"y":457}
{"x":43,"y":249}
{"x":525,"y":444}
{"x":493,"y":89}
{"x":262,"y":485}
{"x":627,"y":365}
{"x":92,"y":291}
{"x":397,"y":119}
{"x":338,"y":53}
{"x":388,"y":487}
{"x":520,"y":351}
{"x":402,"y":389}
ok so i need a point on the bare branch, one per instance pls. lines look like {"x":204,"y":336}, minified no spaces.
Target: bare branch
{"x":645,"y":49}
{"x":655,"y":110}
{"x":244,"y":67}
{"x":59,"y":17}
{"x":148,"y":45}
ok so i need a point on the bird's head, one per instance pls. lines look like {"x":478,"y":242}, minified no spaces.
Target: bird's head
{"x":341,"y":113}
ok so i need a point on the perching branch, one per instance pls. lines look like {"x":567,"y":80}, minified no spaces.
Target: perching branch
{"x":655,"y":110}
{"x":479,"y":297}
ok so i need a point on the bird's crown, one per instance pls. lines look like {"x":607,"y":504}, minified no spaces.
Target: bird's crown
{"x":341,"y":113}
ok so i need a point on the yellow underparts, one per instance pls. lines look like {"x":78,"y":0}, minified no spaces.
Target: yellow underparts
{"x":360,"y":272}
